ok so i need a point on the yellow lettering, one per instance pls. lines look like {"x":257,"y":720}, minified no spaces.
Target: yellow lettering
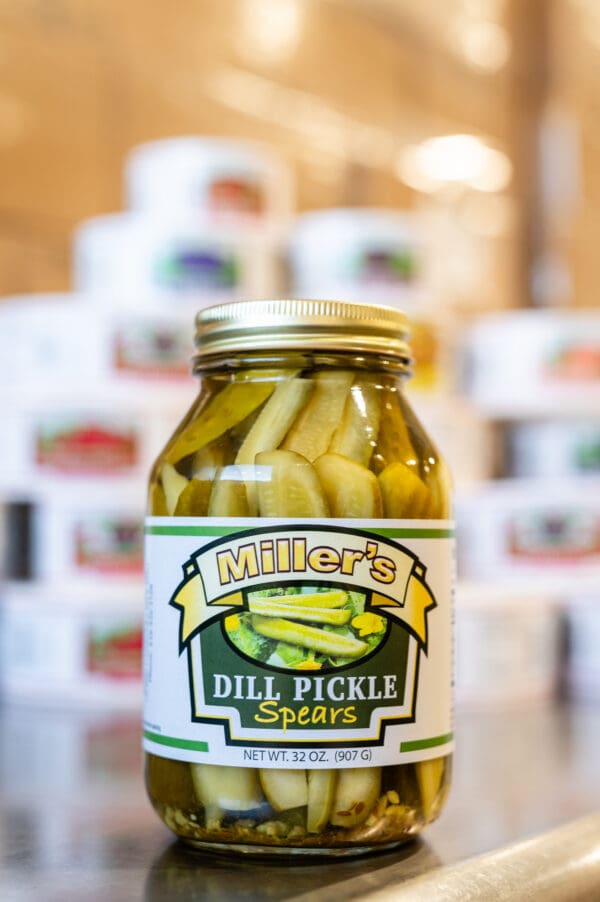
{"x":270,"y":709}
{"x":323,"y":559}
{"x":304,"y":715}
{"x":335,"y":713}
{"x":244,"y":566}
{"x":319,"y":714}
{"x":350,"y":714}
{"x":283,"y":555}
{"x":349,"y":560}
{"x":267,"y":558}
{"x":299,"y":555}
{"x":383,"y":570}
{"x":288,"y":716}
{"x":285,"y":717}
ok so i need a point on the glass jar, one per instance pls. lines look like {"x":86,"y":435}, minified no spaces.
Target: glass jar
{"x":297,"y":652}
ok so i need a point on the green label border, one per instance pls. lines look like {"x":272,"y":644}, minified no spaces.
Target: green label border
{"x":385,"y":532}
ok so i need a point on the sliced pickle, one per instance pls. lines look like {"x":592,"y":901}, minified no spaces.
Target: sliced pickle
{"x":312,"y":430}
{"x":231,"y":406}
{"x":336,"y":598}
{"x":193,"y":500}
{"x":351,"y":490}
{"x":284,"y":789}
{"x":157,"y":503}
{"x":357,"y":791}
{"x":271,"y":425}
{"x":220,"y":789}
{"x":333,"y":616}
{"x":170,"y":782}
{"x":393,"y":441}
{"x":429,"y":778}
{"x":290,"y":487}
{"x":357,"y":432}
{"x":173,"y":484}
{"x":440,"y":486}
{"x":309,"y":637}
{"x":228,"y":497}
{"x":207,"y":460}
{"x":404,"y":493}
{"x":321,"y":793}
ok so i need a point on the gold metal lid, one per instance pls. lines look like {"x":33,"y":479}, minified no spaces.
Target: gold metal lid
{"x":301,"y":325}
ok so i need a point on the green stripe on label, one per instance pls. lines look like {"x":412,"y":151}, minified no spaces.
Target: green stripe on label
{"x":424,"y":533}
{"x":176,"y":743}
{"x":430,"y":743}
{"x":388,"y":533}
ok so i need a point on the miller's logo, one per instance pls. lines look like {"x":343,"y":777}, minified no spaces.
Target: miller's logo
{"x":287,"y":628}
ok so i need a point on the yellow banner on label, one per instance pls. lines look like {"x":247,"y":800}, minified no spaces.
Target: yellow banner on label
{"x":418,"y":600}
{"x":196,"y":609}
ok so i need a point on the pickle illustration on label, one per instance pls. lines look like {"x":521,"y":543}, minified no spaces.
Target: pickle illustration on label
{"x":306,"y":632}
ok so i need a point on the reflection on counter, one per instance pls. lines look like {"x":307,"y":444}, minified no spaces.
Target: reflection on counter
{"x":75,"y":819}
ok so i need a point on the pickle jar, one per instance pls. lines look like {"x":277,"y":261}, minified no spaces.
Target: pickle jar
{"x":299,"y":559}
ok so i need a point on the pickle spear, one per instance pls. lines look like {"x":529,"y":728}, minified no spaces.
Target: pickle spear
{"x":429,"y":778}
{"x":336,"y":598}
{"x":333,"y":616}
{"x":440,"y":486}
{"x":173,"y":484}
{"x":271,"y":425}
{"x":232,"y":405}
{"x":220,"y":788}
{"x":357,"y":432}
{"x":290,"y":487}
{"x":157,"y":503}
{"x":393,"y":441}
{"x":351,"y":490}
{"x":228,"y":497}
{"x":193,"y":500}
{"x":284,"y":789}
{"x":312,"y":430}
{"x":308,"y":637}
{"x":357,"y":791}
{"x":208,"y":459}
{"x":404,"y":493}
{"x":171,"y":781}
{"x":321,"y":793}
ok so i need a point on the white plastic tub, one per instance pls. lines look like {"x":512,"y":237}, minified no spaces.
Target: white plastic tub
{"x":64,"y":340}
{"x":65,"y":648}
{"x":88,"y":534}
{"x":84,"y":436}
{"x":560,"y":448}
{"x":171,"y":258}
{"x":222,"y":180}
{"x":535,"y":363}
{"x":356,"y":254}
{"x":547,"y":530}
{"x":507,"y":646}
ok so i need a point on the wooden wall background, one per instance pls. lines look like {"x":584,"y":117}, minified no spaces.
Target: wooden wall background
{"x":82,"y":81}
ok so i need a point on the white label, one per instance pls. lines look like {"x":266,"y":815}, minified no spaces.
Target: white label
{"x":292,"y":643}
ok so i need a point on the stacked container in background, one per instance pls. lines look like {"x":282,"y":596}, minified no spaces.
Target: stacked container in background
{"x":93,"y":383}
{"x":537,"y":375}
